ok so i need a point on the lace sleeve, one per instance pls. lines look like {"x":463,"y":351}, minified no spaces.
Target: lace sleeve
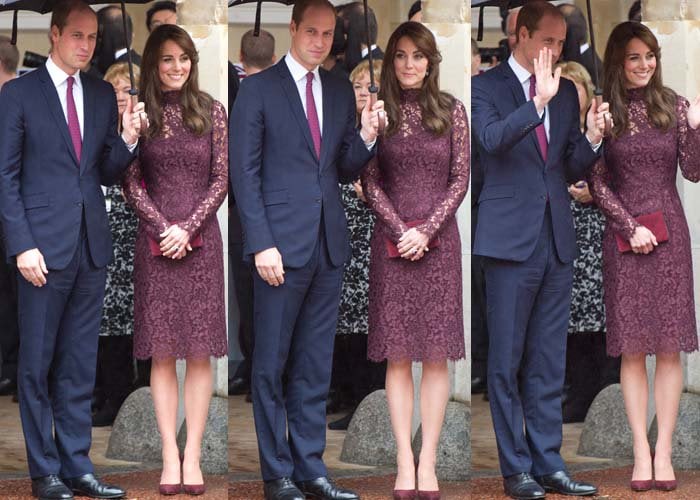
{"x":616,"y":215}
{"x":135,"y":193}
{"x":218,"y":177}
{"x":379,"y":202}
{"x":459,"y":175}
{"x":688,"y":144}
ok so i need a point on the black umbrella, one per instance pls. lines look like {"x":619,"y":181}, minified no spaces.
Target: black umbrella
{"x":505,"y":5}
{"x":45,"y":6}
{"x":373,"y":89}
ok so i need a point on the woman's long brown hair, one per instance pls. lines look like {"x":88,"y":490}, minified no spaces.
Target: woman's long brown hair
{"x":196,"y":105}
{"x":436,"y":106}
{"x":661,"y":101}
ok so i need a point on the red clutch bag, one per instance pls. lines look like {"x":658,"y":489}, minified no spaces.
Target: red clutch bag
{"x":393,"y":251}
{"x":154,"y":245}
{"x":654,"y":222}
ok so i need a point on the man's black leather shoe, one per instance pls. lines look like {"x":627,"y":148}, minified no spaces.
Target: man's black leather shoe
{"x":7,"y":387}
{"x":50,"y":488}
{"x":324,"y":489}
{"x":522,"y":487}
{"x":560,"y":482}
{"x":238,"y":386}
{"x":479,"y":385}
{"x":89,"y":486}
{"x":282,"y":489}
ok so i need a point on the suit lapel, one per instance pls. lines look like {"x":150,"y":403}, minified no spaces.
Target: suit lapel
{"x":517,"y":90}
{"x":54,"y":105}
{"x":290,"y":89}
{"x":327,"y":118}
{"x":89,"y":118}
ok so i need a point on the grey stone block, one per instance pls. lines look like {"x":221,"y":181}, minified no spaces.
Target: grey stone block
{"x":454,"y":448}
{"x":135,"y":434}
{"x":214,"y":459}
{"x":686,"y":444}
{"x":606,"y":432}
{"x":369,"y":439}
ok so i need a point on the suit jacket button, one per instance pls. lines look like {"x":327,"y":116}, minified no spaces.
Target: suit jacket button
{"x":318,"y":200}
{"x":80,"y":204}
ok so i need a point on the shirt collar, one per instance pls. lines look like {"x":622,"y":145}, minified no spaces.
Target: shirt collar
{"x":521,"y":73}
{"x":58,"y":76}
{"x":120,"y":53}
{"x":584,"y":48}
{"x":297,"y":70}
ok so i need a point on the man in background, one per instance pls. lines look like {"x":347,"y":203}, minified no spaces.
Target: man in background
{"x":164,"y":12}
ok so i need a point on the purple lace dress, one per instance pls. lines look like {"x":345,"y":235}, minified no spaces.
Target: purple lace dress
{"x":179,"y":304}
{"x":415,"y":308}
{"x":648,"y":298}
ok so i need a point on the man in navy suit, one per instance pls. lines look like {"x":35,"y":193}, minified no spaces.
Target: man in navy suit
{"x":530,"y":147}
{"x":58,"y":144}
{"x":293,"y":138}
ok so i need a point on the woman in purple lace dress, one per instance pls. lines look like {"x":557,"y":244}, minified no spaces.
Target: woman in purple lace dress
{"x":415,"y":186}
{"x":176,"y":186}
{"x":649,"y":290}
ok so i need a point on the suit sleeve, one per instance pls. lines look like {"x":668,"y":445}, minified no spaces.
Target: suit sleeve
{"x":246,"y":135}
{"x":494,"y":133}
{"x":579,"y":156}
{"x":354,"y":154}
{"x":16,"y":229}
{"x":116,"y":157}
{"x":218,"y":174}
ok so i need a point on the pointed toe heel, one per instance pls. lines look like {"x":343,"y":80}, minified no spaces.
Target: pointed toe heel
{"x":405,"y":495}
{"x":169,"y":489}
{"x":644,"y":485}
{"x":194,"y":489}
{"x":666,"y":485}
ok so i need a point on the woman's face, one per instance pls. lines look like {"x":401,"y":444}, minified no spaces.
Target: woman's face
{"x":361,"y":87}
{"x":121,"y":89}
{"x":174,"y":66}
{"x":640,"y":64}
{"x":410,"y":64}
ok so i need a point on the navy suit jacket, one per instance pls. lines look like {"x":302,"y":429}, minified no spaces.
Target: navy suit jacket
{"x":44,"y":190}
{"x":282,"y":190}
{"x":516,"y":180}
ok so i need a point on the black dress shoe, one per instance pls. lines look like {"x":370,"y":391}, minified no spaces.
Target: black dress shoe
{"x":560,"y":482}
{"x":523,"y":487}
{"x":50,"y":488}
{"x":282,"y":489}
{"x":238,"y":386}
{"x":479,"y":385}
{"x":88,"y":485}
{"x":324,"y":489}
{"x":7,"y":387}
{"x":341,"y":424}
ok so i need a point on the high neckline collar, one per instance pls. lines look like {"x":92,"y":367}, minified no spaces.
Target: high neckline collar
{"x":410,"y":95}
{"x":171,"y":96}
{"x":636,"y":93}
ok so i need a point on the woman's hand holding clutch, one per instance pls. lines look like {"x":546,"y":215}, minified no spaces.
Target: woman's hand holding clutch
{"x":175,"y":243}
{"x":643,"y":240}
{"x":413,"y":244}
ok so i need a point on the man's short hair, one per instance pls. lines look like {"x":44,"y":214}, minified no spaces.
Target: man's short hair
{"x":415,"y":9}
{"x":301,"y":5}
{"x":63,"y":9}
{"x":157,"y":7}
{"x":532,"y":13}
{"x":258,"y":51}
{"x":9,"y":55}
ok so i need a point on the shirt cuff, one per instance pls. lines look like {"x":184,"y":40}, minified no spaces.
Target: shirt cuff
{"x":368,"y":145}
{"x":130,"y":147}
{"x":595,"y":147}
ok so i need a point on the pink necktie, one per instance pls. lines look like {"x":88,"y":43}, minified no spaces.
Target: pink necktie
{"x":73,"y":123}
{"x":540,"y":131}
{"x":312,"y":114}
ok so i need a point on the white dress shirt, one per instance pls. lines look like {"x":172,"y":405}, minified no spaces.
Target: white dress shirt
{"x":60,"y":81}
{"x":523,"y":77}
{"x":299,"y":73}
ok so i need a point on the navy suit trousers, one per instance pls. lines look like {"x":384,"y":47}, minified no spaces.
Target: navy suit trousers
{"x":295,"y":327}
{"x":59,"y":328}
{"x":528,"y":314}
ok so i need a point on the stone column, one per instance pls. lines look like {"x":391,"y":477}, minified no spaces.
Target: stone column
{"x":676,"y":24}
{"x":207,"y":23}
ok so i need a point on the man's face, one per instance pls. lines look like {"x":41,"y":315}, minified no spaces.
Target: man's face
{"x":164,"y":16}
{"x":313,"y":37}
{"x":550,"y":33}
{"x":73,"y":47}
